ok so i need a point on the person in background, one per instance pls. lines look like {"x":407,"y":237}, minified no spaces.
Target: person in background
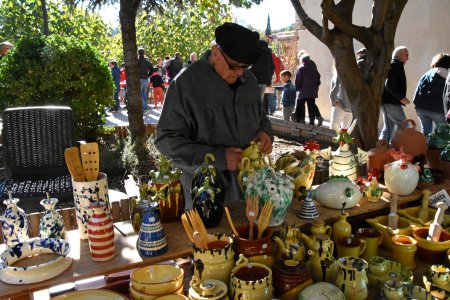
{"x":394,"y":94}
{"x":123,"y":78}
{"x":115,"y":72}
{"x":446,"y":98}
{"x":159,"y":67}
{"x":428,"y":95}
{"x":4,"y":48}
{"x":174,"y":66}
{"x":263,"y":69}
{"x":157,"y":82}
{"x":145,"y":68}
{"x":307,"y":82}
{"x":192,"y":58}
{"x":269,"y":101}
{"x":288,"y":95}
{"x":214,"y":106}
{"x":341,"y":113}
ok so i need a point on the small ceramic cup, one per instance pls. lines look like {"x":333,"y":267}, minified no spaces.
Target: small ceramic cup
{"x":403,"y":250}
{"x":440,"y":274}
{"x":393,"y":290}
{"x":377,"y":265}
{"x":350,"y":246}
{"x":373,"y":239}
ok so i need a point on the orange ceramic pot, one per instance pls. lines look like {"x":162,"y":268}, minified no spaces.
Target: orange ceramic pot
{"x":378,"y":157}
{"x":256,"y":247}
{"x":412,"y":141}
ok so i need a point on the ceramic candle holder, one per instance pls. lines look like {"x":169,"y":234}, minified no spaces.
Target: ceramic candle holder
{"x":377,"y":265}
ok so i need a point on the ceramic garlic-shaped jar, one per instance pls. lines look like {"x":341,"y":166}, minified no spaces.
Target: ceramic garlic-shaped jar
{"x":165,"y":188}
{"x":52,"y":224}
{"x":401,"y":177}
{"x":14,"y":223}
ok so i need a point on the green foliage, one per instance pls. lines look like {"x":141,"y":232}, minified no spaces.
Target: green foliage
{"x":188,"y":29}
{"x":57,"y":70}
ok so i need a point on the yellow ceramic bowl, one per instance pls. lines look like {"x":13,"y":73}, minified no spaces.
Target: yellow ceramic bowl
{"x":381,"y":223}
{"x":430,"y":251}
{"x":144,"y":296}
{"x":173,"y":297}
{"x":157,"y":279}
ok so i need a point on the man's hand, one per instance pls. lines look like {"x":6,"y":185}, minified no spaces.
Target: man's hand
{"x":234,"y":156}
{"x":405,"y":101}
{"x":265,"y":140}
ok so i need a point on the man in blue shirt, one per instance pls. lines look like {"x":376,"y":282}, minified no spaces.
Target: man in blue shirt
{"x":115,"y":71}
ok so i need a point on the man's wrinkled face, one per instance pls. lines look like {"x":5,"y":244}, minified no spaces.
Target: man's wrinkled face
{"x":403,"y":56}
{"x":227,"y":68}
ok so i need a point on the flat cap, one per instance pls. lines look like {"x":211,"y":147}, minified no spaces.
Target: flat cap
{"x":238,"y":43}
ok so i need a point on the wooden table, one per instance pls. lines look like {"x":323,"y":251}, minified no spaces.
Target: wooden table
{"x":179,"y":246}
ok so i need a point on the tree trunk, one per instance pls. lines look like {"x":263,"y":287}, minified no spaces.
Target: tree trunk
{"x":45,"y":27}
{"x":127,"y":15}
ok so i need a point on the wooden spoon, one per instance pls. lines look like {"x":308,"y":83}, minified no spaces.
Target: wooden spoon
{"x":73,"y":162}
{"x":230,"y":222}
{"x":198,"y":240}
{"x":90,"y":160}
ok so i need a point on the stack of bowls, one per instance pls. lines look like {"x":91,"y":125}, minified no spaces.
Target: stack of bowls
{"x":155,"y":281}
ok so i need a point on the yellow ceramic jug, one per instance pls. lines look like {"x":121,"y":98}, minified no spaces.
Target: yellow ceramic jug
{"x":341,"y":228}
{"x":352,"y":278}
{"x":318,"y":227}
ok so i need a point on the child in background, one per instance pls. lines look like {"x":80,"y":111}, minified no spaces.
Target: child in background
{"x":288,"y":95}
{"x":157,"y":83}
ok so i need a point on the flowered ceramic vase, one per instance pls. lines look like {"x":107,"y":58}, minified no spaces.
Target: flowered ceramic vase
{"x":14,"y":223}
{"x":101,"y":233}
{"x":276,"y":187}
{"x":152,"y":238}
{"x":52,"y":224}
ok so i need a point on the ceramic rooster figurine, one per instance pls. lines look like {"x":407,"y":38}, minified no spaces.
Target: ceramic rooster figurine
{"x":343,"y":161}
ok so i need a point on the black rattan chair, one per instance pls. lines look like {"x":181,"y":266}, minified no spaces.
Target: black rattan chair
{"x":34,"y":140}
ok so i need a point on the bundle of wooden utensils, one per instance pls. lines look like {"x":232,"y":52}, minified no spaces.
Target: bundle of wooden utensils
{"x":83,"y":163}
{"x":195,"y":229}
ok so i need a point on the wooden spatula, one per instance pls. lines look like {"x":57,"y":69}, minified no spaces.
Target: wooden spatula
{"x":90,"y":160}
{"x":73,"y":162}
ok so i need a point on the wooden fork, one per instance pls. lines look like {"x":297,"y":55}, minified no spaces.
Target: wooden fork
{"x":188,"y":228}
{"x":251,"y":212}
{"x":264,"y":218}
{"x":197,"y":225}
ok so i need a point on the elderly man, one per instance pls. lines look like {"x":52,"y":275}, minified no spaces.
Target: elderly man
{"x":214,"y":106}
{"x":4,"y":48}
{"x":394,"y":94}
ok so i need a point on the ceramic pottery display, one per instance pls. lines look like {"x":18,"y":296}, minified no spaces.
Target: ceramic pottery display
{"x":352,"y":278}
{"x":152,"y":238}
{"x":431,"y":251}
{"x":14,"y":223}
{"x":155,"y":281}
{"x":381,"y":224}
{"x":290,"y":277}
{"x":207,"y":192}
{"x":373,"y":239}
{"x":350,"y":246}
{"x":373,"y":192}
{"x":101,"y":233}
{"x":258,"y":250}
{"x":408,"y":138}
{"x":308,"y":209}
{"x":403,"y":250}
{"x":12,"y":274}
{"x":321,"y":291}
{"x":382,"y":270}
{"x":318,"y":227}
{"x":250,"y":281}
{"x":86,"y":193}
{"x":165,"y":188}
{"x":342,"y":161}
{"x":377,"y":158}
{"x":336,"y":191}
{"x":51,"y":224}
{"x":215,"y":262}
{"x":445,"y":161}
{"x":341,"y":228}
{"x":207,"y":289}
{"x":276,"y":187}
{"x":245,"y":171}
{"x":401,"y":177}
{"x":322,"y":265}
{"x":289,"y":244}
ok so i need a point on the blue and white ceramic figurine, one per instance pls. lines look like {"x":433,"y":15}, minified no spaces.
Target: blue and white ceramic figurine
{"x":152,"y":239}
{"x":14,"y":222}
{"x":52,"y":224}
{"x":308,"y":210}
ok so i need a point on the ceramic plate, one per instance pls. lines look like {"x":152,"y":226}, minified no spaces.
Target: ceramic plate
{"x":90,"y":295}
{"x":395,"y":271}
{"x":412,"y":292}
{"x":35,"y":273}
{"x":438,"y":291}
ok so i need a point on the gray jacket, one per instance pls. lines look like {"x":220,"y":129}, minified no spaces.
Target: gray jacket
{"x":203,"y":114}
{"x":339,"y":94}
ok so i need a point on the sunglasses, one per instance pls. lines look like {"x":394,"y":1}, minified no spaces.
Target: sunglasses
{"x":231,"y":66}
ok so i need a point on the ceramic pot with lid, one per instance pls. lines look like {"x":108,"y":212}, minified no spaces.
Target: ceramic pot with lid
{"x":290,"y":276}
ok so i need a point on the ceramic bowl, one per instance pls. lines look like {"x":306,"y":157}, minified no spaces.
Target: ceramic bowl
{"x":173,"y":297}
{"x":411,"y":292}
{"x":321,"y":291}
{"x":91,"y":294}
{"x":381,"y":223}
{"x":394,"y":271}
{"x":34,"y":273}
{"x":412,"y":214}
{"x":157,"y":279}
{"x":137,"y":295}
{"x":430,"y":251}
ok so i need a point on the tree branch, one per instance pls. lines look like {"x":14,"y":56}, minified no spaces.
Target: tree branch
{"x":357,"y":32}
{"x":325,"y":30}
{"x":379,"y":10}
{"x":309,"y":23}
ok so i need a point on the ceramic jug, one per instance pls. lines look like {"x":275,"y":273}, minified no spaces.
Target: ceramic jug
{"x":323,"y":266}
{"x":14,"y":222}
{"x":165,"y":188}
{"x":250,"y":281}
{"x":51,"y":224}
{"x":101,"y":233}
{"x":352,"y":278}
{"x":318,"y":227}
{"x":377,"y":158}
{"x":411,"y":140}
{"x":341,"y":228}
{"x":289,"y":245}
{"x":373,"y":239}
{"x":152,"y":238}
{"x":321,"y":243}
{"x":401,"y":177}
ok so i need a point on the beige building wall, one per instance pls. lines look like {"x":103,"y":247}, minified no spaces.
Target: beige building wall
{"x":423,"y":28}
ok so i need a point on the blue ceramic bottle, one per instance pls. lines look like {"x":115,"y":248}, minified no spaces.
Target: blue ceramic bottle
{"x":152,"y":239}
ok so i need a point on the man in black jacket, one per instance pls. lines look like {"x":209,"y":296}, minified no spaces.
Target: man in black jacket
{"x":145,"y":69}
{"x":394,"y":94}
{"x":264,"y":67}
